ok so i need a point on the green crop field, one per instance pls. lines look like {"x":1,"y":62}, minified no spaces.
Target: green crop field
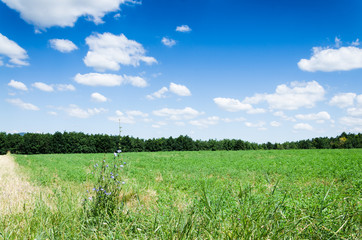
{"x":288,"y":194}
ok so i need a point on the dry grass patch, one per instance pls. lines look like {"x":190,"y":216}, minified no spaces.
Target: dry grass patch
{"x":16,"y":193}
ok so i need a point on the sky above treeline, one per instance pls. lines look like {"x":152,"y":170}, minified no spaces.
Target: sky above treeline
{"x":254,"y":70}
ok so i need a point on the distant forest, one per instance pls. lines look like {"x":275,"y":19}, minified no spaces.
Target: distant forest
{"x":77,"y":142}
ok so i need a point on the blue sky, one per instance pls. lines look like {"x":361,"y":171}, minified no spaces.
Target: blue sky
{"x":253,"y":70}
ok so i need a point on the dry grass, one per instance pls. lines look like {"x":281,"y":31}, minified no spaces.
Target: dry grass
{"x":15,"y":192}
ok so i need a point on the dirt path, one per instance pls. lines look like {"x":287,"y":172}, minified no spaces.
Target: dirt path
{"x":15,"y":191}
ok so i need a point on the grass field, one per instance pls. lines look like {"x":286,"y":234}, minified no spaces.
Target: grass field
{"x":289,"y":194}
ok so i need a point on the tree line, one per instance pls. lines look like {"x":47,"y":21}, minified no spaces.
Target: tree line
{"x":78,"y":142}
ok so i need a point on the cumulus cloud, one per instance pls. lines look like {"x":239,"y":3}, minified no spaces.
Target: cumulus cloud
{"x":17,"y":85}
{"x":65,"y":87}
{"x":19,"y":103}
{"x":177,"y":89}
{"x":97,"y":97}
{"x":158,"y":94}
{"x":256,"y":111}
{"x":183,"y":28}
{"x":180,"y":90}
{"x":352,"y":122}
{"x":328,"y":60}
{"x":356,"y":43}
{"x":109,"y":80}
{"x":230,"y":120}
{"x":177,"y":114}
{"x":43,"y":87}
{"x":53,"y":113}
{"x":75,"y":111}
{"x":108,"y":52}
{"x":282,"y":115}
{"x":231,"y":105}
{"x":127,"y":118}
{"x":319,"y":117}
{"x":10,"y":49}
{"x":343,"y":100}
{"x":45,"y":14}
{"x":275,"y":124}
{"x":259,"y":125}
{"x":136,"y":113}
{"x":303,"y":126}
{"x":295,"y":96}
{"x":135,"y":81}
{"x":204,"y":123}
{"x":359,"y":100}
{"x":356,"y":112}
{"x":168,"y":42}
{"x":299,"y":94}
{"x":63,"y":45}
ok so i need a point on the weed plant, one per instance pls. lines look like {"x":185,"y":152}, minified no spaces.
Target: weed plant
{"x":104,"y":198}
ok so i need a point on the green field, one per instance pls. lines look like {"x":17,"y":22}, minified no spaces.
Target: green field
{"x":289,"y":194}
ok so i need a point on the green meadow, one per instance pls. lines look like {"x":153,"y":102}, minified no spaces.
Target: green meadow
{"x":287,"y":194}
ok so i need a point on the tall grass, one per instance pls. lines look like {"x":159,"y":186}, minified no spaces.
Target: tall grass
{"x":313,"y":194}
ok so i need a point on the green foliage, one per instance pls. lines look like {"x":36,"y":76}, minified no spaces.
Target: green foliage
{"x":72,"y":142}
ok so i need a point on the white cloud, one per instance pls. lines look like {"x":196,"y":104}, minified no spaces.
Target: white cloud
{"x":204,"y":123}
{"x":343,"y":100}
{"x":135,"y":81}
{"x":328,"y":60}
{"x":108,"y":80}
{"x":303,"y":126}
{"x":129,"y":117}
{"x":298,"y":95}
{"x":183,"y":28}
{"x":180,"y":124}
{"x":231,"y":105}
{"x":356,"y":112}
{"x":12,"y":50}
{"x":117,"y":16}
{"x":356,"y":43}
{"x":256,"y":111}
{"x":75,"y":111}
{"x":282,"y":115}
{"x":45,"y":14}
{"x":136,"y":113}
{"x":19,"y":103}
{"x":319,"y":117}
{"x":17,"y":85}
{"x":43,"y":87}
{"x":177,"y":89}
{"x":97,"y":97}
{"x":65,"y":87}
{"x":338,"y":42}
{"x":275,"y":124}
{"x":260,"y":125}
{"x":359,"y":100}
{"x":177,"y":114}
{"x":53,"y":113}
{"x":180,"y":90}
{"x":108,"y":52}
{"x":50,"y":88}
{"x":351,"y":121}
{"x":230,"y":120}
{"x":158,"y":94}
{"x":168,"y":42}
{"x":63,"y":45}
